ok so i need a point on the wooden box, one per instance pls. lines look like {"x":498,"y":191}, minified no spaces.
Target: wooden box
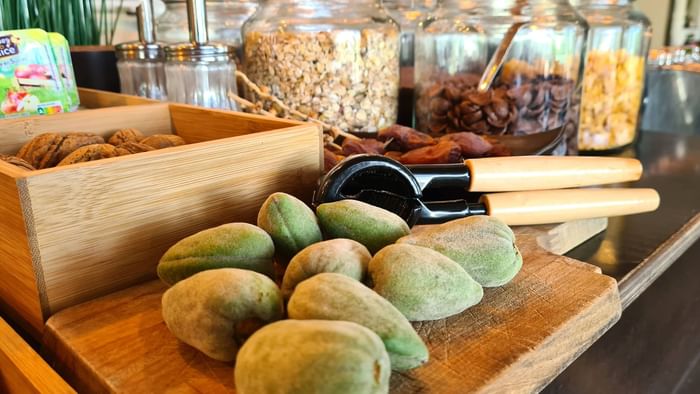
{"x":73,"y":233}
{"x":93,"y":99}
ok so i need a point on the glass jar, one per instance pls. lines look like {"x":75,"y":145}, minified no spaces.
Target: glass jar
{"x":336,"y":60}
{"x":408,"y":14}
{"x":225,"y":18}
{"x":200,"y":72}
{"x":613,"y":82}
{"x":141,"y":70}
{"x":507,"y":69}
{"x":141,"y":63}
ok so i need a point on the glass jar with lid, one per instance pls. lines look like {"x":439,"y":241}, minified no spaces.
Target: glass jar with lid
{"x":336,"y":60}
{"x":141,"y":63}
{"x":408,"y":14}
{"x":613,"y":82}
{"x":200,"y":72}
{"x":506,"y":69}
{"x":225,"y":18}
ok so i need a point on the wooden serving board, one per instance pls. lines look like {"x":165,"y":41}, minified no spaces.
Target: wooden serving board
{"x":516,"y":340}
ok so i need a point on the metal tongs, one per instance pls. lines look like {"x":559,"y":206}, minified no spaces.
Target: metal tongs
{"x":533,"y":184}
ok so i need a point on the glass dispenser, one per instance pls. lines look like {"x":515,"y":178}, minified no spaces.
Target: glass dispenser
{"x":141,"y":63}
{"x":200,"y":72}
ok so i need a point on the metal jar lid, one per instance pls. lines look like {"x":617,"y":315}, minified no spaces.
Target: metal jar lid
{"x":209,"y":52}
{"x":146,"y":48}
{"x":137,"y":50}
{"x":199,"y":49}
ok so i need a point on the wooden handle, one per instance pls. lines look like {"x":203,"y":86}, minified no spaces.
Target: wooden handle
{"x":554,"y":206}
{"x":502,"y":174}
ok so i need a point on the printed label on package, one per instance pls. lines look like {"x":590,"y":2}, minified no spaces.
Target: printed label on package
{"x":8,"y":46}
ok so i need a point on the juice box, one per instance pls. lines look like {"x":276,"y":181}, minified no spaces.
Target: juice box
{"x":30,"y":81}
{"x":61,"y":52}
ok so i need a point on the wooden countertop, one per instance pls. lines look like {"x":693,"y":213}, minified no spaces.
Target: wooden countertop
{"x":21,"y":368}
{"x":637,"y":249}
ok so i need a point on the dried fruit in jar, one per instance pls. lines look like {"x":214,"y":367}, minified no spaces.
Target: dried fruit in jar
{"x":443,"y":153}
{"x":526,"y":99}
{"x":405,"y":137}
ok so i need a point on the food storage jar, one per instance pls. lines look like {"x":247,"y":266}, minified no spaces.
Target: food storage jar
{"x":200,"y":72}
{"x":408,"y":14}
{"x":613,"y":82}
{"x":225,"y":18}
{"x":337,"y":60}
{"x":141,"y":63}
{"x":507,"y":69}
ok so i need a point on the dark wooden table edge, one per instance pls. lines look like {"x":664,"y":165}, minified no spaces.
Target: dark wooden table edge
{"x":642,"y":276}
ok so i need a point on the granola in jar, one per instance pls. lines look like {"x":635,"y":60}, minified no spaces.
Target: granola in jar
{"x":347,"y":78}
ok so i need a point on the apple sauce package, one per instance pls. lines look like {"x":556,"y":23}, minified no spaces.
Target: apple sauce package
{"x":32,"y":79}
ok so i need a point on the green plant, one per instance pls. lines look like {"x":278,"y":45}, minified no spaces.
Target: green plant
{"x":82,"y":22}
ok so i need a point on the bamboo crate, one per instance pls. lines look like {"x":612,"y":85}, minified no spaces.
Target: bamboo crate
{"x":73,"y":233}
{"x":93,"y":99}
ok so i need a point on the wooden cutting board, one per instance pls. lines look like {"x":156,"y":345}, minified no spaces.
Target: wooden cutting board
{"x":516,"y":340}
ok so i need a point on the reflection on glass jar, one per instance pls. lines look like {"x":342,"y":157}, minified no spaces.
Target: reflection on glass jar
{"x":334,"y":60}
{"x":613,"y":82}
{"x":224,"y":17}
{"x":142,"y":78}
{"x":508,"y":69}
{"x":206,"y":84}
{"x":408,"y":14}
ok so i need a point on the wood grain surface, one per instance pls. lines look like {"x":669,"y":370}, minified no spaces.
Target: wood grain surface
{"x":187,"y":123}
{"x":516,"y":340}
{"x":92,"y":98}
{"x":642,"y":276}
{"x":74,"y":233}
{"x":150,"y":119}
{"x":22,"y":370}
{"x":113,"y":219}
{"x":19,"y":297}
